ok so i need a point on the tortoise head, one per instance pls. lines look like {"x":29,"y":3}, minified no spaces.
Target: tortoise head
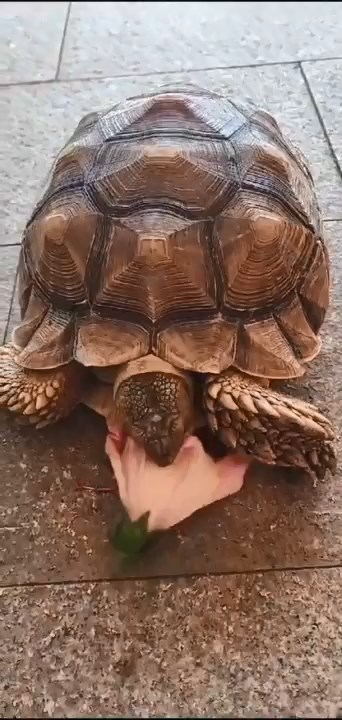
{"x":155,"y":408}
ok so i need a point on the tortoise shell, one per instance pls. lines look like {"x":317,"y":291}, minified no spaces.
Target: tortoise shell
{"x":179,"y":223}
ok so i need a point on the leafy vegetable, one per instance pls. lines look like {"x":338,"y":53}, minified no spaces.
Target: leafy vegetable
{"x":131,"y":537}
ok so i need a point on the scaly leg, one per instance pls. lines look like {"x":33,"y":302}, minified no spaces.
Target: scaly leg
{"x":39,"y":397}
{"x":274,"y":428}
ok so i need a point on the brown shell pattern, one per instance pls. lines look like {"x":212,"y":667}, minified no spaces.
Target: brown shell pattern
{"x":179,"y":223}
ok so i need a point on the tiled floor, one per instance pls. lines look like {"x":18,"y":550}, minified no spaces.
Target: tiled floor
{"x":238,"y":611}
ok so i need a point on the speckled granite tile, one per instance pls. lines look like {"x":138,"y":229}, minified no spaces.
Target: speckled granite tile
{"x":50,"y":531}
{"x":119,"y":38}
{"x":325,"y":83}
{"x":8,"y":265}
{"x":36,"y":120}
{"x":30,"y":40}
{"x":240,"y":646}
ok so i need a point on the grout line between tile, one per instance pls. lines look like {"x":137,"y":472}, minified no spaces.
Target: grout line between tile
{"x":8,"y":245}
{"x":172,"y":577}
{"x":321,"y":121}
{"x":60,"y":55}
{"x":92,"y":78}
{"x":189,"y":71}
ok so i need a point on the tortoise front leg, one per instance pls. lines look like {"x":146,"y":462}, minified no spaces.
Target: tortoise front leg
{"x":276,"y":429}
{"x":41,"y":397}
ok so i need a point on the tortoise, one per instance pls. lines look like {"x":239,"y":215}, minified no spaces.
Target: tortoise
{"x":177,"y":254}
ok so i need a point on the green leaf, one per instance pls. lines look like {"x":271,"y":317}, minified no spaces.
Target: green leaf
{"x":130,"y":538}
